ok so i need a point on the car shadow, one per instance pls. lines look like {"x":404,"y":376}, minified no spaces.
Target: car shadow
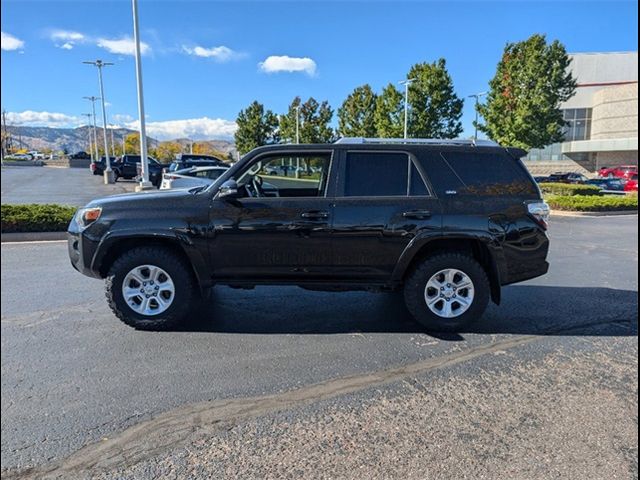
{"x":525,"y":310}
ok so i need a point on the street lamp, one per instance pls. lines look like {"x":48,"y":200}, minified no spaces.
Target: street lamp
{"x":113,"y":142}
{"x":144,"y":181}
{"x":93,"y":99}
{"x":297,"y":139}
{"x":406,"y":84}
{"x":89,"y":115}
{"x":477,"y":97}
{"x":108,"y":173}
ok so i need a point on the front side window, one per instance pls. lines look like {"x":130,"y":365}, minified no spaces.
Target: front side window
{"x":290,"y":175}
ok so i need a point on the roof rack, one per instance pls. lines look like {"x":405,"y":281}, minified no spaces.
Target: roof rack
{"x":418,"y":141}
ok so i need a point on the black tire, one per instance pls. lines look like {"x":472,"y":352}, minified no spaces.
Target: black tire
{"x":178,"y":270}
{"x":416,"y":282}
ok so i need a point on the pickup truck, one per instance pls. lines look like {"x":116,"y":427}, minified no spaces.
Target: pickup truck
{"x":128,"y":167}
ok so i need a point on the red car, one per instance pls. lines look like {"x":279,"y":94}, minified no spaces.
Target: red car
{"x":632,"y":184}
{"x":623,"y":171}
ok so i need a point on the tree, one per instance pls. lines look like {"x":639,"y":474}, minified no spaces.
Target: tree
{"x":256,"y":127}
{"x":388,"y":116}
{"x":313,"y":122}
{"x":523,"y":105}
{"x":206,"y":148}
{"x":434,"y":108}
{"x":356,"y":116}
{"x":167,"y":151}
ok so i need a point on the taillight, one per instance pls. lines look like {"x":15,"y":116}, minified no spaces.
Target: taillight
{"x":540,"y":212}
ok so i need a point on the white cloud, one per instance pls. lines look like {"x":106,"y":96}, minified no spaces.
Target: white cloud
{"x":9,"y":42}
{"x":121,"y":118}
{"x":124,"y":46}
{"x":285,"y":63}
{"x":67,"y":39}
{"x":221,"y":53}
{"x":195,"y":128}
{"x":67,"y":35}
{"x":30,"y":118}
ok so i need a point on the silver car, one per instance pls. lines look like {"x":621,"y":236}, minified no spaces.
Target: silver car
{"x":191,"y":177}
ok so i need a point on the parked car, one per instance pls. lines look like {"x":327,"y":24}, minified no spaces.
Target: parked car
{"x":97,"y":168}
{"x":607,"y":184}
{"x":540,"y":179}
{"x":571,"y":177}
{"x":446,"y":222}
{"x":80,"y":156}
{"x":623,"y":171}
{"x":20,"y":156}
{"x":129,"y":167}
{"x":191,"y":177}
{"x":632,"y":184}
{"x":185,"y":160}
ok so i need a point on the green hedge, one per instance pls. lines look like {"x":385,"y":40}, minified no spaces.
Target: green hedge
{"x":36,"y":218}
{"x":581,"y":203}
{"x":568,"y":189}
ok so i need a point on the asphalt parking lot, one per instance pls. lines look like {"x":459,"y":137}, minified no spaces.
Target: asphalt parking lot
{"x":284,"y":381}
{"x":66,"y":186}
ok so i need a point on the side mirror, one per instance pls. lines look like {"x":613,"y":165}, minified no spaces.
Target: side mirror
{"x":228,"y":189}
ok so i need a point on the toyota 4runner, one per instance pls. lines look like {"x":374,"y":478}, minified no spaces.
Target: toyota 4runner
{"x":447,"y":222}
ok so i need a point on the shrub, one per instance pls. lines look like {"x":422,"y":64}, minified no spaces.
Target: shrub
{"x":568,"y":189}
{"x":36,"y":218}
{"x":581,"y":203}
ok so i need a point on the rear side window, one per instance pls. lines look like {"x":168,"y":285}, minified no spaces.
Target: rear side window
{"x":383,"y":174}
{"x":376,"y":174}
{"x":477,"y":173}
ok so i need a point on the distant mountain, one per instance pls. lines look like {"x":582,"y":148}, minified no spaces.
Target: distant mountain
{"x":77,"y":139}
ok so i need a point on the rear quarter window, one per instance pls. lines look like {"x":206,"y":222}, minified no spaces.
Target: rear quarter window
{"x":477,"y":173}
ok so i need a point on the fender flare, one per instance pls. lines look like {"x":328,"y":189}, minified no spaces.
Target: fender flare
{"x":197,"y":262}
{"x":490,"y":246}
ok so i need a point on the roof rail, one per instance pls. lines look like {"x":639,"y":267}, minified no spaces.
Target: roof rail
{"x":417,"y":141}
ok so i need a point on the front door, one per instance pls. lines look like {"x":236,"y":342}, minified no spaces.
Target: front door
{"x":279,"y":227}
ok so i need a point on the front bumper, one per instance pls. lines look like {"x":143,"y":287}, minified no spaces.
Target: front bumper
{"x":82,"y":249}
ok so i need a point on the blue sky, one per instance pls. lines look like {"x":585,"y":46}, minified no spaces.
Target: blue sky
{"x":205,"y":61}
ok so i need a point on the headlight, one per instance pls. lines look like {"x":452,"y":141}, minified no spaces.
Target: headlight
{"x":86,"y":216}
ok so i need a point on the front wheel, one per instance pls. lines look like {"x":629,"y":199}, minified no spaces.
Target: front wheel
{"x":447,"y":292}
{"x":150,"y":288}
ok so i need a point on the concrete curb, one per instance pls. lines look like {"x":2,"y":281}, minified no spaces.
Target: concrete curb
{"x":562,"y":213}
{"x":32,"y":236}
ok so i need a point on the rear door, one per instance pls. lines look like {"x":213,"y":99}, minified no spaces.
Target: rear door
{"x":383,"y":201}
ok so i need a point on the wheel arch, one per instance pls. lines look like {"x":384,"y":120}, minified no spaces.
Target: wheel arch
{"x":112,"y":248}
{"x":476,"y":247}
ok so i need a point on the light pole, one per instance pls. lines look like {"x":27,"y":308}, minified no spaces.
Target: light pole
{"x":93,"y":99}
{"x":89,"y":115}
{"x":477,"y":97}
{"x":108,"y":173}
{"x":113,"y":142}
{"x":297,"y":139}
{"x":406,"y":84}
{"x":145,"y":184}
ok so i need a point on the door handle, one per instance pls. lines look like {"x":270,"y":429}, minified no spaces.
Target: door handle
{"x":315,"y":215}
{"x":417,"y":214}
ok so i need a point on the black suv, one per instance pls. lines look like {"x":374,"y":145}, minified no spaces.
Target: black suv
{"x":446,"y":222}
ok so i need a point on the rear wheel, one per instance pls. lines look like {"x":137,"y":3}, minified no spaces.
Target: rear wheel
{"x":150,"y":288}
{"x":447,"y":292}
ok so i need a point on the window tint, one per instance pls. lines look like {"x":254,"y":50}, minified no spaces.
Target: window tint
{"x":371,"y":174}
{"x":476,"y":173}
{"x":417,"y":186}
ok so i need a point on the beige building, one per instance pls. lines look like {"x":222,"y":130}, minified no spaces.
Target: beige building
{"x":602,"y":116}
